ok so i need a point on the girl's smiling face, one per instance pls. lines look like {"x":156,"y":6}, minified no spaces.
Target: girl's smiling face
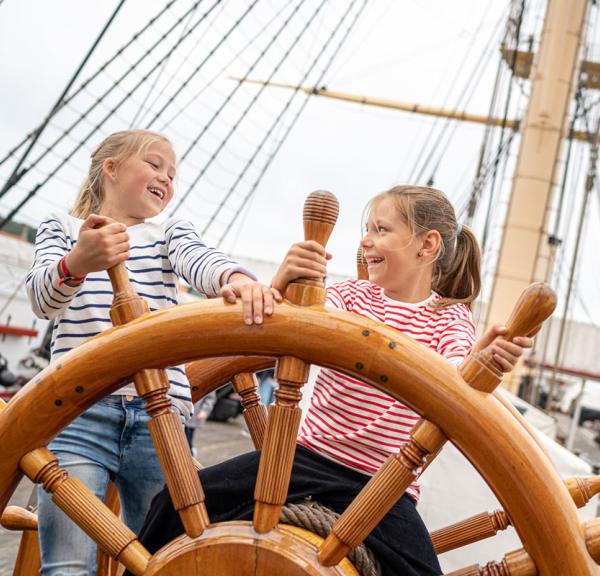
{"x":398,"y":260}
{"x":141,"y":186}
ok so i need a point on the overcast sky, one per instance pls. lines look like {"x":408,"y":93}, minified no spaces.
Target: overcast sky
{"x":412,"y":51}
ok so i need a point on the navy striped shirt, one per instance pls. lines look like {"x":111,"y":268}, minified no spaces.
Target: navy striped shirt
{"x":160,"y":254}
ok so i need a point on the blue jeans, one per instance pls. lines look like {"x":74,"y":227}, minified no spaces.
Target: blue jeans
{"x":110,"y":441}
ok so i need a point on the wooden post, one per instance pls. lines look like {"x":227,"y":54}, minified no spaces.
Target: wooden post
{"x":85,"y":509}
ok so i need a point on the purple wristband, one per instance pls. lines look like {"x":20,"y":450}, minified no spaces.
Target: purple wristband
{"x":241,"y":270}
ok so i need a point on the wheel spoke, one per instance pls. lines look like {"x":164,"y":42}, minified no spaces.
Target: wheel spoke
{"x":165,"y":427}
{"x":516,"y":563}
{"x":77,"y":501}
{"x":254,"y":413}
{"x":277,"y":457}
{"x":487,"y":524}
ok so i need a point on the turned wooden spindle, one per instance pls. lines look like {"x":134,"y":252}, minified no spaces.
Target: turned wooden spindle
{"x":255,"y":413}
{"x":472,"y":529}
{"x":277,"y":456}
{"x":519,"y":563}
{"x":487,"y":524}
{"x":82,"y":506}
{"x":85,"y":509}
{"x":107,"y":566}
{"x":362,"y":270}
{"x":165,"y":426}
{"x":400,"y":470}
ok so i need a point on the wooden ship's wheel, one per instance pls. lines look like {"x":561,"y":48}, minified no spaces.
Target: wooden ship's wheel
{"x":459,"y":406}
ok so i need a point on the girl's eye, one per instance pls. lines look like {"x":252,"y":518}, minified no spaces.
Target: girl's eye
{"x":153,"y":164}
{"x":381,"y":229}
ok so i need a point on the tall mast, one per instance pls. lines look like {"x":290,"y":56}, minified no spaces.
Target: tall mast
{"x":524,"y":255}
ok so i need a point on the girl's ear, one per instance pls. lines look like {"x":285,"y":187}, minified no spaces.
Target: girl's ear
{"x":431,"y":242}
{"x":109,"y":169}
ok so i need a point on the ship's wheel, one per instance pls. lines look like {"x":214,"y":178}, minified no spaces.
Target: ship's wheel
{"x":455,"y":406}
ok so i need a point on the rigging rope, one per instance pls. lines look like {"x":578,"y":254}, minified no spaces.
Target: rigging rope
{"x":252,"y":102}
{"x":17,"y":173}
{"x":96,"y":127}
{"x":220,"y":72}
{"x":68,"y":99}
{"x":297,"y":115}
{"x":200,"y":66}
{"x":513,"y":66}
{"x":159,"y":73}
{"x":414,"y":175}
{"x":276,"y":123}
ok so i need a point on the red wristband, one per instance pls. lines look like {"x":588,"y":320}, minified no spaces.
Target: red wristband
{"x":66,"y":274}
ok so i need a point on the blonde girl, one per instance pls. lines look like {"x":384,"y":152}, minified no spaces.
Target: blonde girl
{"x":130,"y":180}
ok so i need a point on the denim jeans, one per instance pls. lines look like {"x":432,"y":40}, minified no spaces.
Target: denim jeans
{"x":110,"y":441}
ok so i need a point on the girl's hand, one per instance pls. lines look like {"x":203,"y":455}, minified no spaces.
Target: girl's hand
{"x":505,"y":353}
{"x":98,"y":248}
{"x":256,"y":297}
{"x":306,"y":259}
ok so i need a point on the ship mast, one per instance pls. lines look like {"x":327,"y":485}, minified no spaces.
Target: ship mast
{"x":525,"y":253}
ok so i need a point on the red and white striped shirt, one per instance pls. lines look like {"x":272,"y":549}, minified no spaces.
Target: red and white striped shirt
{"x":355,"y":424}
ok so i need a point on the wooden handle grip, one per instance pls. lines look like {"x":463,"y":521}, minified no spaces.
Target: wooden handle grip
{"x":118,"y":275}
{"x":583,"y":489}
{"x":473,"y":529}
{"x":321,"y":206}
{"x":17,"y":518}
{"x":321,"y":209}
{"x":320,"y":215}
{"x":535,"y":305}
{"x":517,"y":563}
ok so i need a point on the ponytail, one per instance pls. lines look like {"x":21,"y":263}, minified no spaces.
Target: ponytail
{"x":89,"y":199}
{"x":460,"y":283}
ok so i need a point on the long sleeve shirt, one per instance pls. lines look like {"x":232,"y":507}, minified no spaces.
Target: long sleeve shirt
{"x":160,"y":254}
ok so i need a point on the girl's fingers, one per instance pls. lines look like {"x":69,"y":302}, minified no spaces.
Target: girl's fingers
{"x":307,"y":271}
{"x":310,"y":257}
{"x":268,"y":303}
{"x":257,"y":303}
{"x":93,"y":220}
{"x":510,"y":347}
{"x":524,"y":341}
{"x":246,"y":296}
{"x":312,"y":246}
{"x":505,"y":365}
{"x":276,"y":294}
{"x":228,"y":293}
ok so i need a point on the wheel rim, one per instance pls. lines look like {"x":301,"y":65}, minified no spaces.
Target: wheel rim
{"x":521,"y":477}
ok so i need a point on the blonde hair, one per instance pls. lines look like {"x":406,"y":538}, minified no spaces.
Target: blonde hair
{"x":456,"y":271}
{"x":118,"y":146}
